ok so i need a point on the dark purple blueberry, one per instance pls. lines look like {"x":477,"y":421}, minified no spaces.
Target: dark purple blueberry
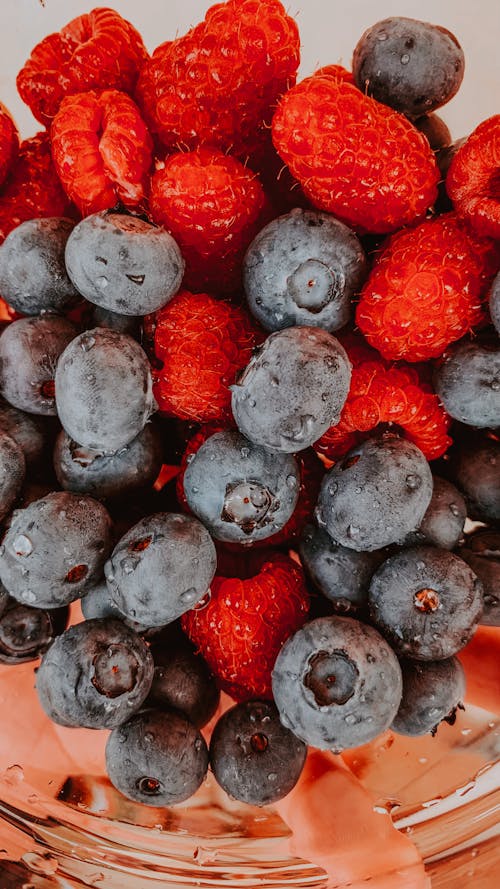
{"x":468,"y":383}
{"x":337,"y":683}
{"x":128,"y":324}
{"x":254,"y":758}
{"x":12,"y":473}
{"x":124,"y":264}
{"x":444,"y":520}
{"x":432,"y":692}
{"x":413,"y":66}
{"x":481,"y":551}
{"x":239,"y":490}
{"x":183,"y":681}
{"x":4,"y":598}
{"x":33,"y":276}
{"x":103,"y":390}
{"x":495,"y":303}
{"x":303,"y":268}
{"x":157,"y":758}
{"x":97,"y":603}
{"x":55,"y":549}
{"x":26,"y":633}
{"x":376,"y":494}
{"x":95,"y":675}
{"x":29,"y":352}
{"x":28,"y":430}
{"x":435,"y":131}
{"x":474,"y":467}
{"x":427,"y":602}
{"x":293,"y":389}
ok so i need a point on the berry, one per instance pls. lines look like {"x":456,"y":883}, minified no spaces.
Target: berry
{"x":254,"y":758}
{"x":354,"y":157}
{"x":55,"y":549}
{"x":467,"y":381}
{"x":106,"y":128}
{"x":244,"y":623}
{"x":241,"y":491}
{"x":9,"y":143}
{"x":426,"y":602}
{"x":481,"y":551}
{"x":376,"y":495}
{"x":124,"y":264}
{"x":432,"y":691}
{"x":97,"y":49}
{"x":212,"y":205}
{"x":32,"y":272}
{"x":160,"y":568}
{"x":157,"y":758}
{"x":103,"y":389}
{"x":292,"y":390}
{"x":494,"y":301}
{"x":337,"y":683}
{"x":424,"y":290}
{"x":474,"y":467}
{"x":182,"y":680}
{"x":27,"y":430}
{"x":202,"y":343}
{"x":12,"y":472}
{"x":435,"y":131}
{"x":444,"y":519}
{"x":129,"y":324}
{"x":413,"y":66}
{"x":303,"y":268}
{"x":26,"y":633}
{"x":95,"y":675}
{"x":472,"y":180}
{"x":219,"y":83}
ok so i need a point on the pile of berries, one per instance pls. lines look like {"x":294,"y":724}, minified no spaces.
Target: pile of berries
{"x":246,"y":440}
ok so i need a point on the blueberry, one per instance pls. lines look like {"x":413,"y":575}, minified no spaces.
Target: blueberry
{"x":337,"y":683}
{"x":27,"y":430}
{"x":26,"y":633}
{"x":413,"y":66}
{"x":481,"y":551}
{"x":97,"y":603}
{"x":158,"y":758}
{"x":292,"y":390}
{"x":183,"y":681}
{"x":341,"y":574}
{"x":161,"y":568}
{"x":376,"y":494}
{"x":474,"y":467}
{"x":128,"y":324}
{"x":95,"y":675}
{"x":432,"y":692}
{"x":303,"y":268}
{"x":495,"y":303}
{"x":435,"y":131}
{"x":426,"y":601}
{"x":88,"y":471}
{"x":239,"y":490}
{"x":29,"y":352}
{"x":4,"y":599}
{"x":33,"y":275}
{"x":444,"y":520}
{"x":124,"y":264}
{"x":254,"y":758}
{"x":12,"y":473}
{"x":103,"y":389}
{"x":468,"y":383}
{"x":55,"y":549}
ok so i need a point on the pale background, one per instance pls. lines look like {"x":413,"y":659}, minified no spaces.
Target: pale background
{"x":329,"y":31}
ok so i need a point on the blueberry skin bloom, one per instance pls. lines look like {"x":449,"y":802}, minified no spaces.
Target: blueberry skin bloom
{"x":103,"y":389}
{"x":468,"y":383}
{"x":292,"y":390}
{"x":161,"y":568}
{"x":157,"y":758}
{"x":427,"y":602}
{"x":95,"y":675}
{"x":242,"y":492}
{"x":432,"y":692}
{"x":337,"y":683}
{"x":303,"y":268}
{"x":254,"y":758}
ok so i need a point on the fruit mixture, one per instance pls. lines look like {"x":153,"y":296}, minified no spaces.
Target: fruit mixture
{"x":250,"y":381}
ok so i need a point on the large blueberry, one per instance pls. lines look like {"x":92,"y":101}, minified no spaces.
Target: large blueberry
{"x":468,"y":383}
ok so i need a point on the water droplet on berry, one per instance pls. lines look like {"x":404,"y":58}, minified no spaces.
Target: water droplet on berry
{"x":128,"y":566}
{"x":28,"y":596}
{"x":405,"y":58}
{"x":102,"y":282}
{"x":291,"y":481}
{"x":495,"y":385}
{"x":22,"y":545}
{"x":352,"y":531}
{"x":188,"y":596}
{"x":195,"y":490}
{"x":245,"y":452}
{"x":350,"y":719}
{"x":413,"y":481}
{"x":190,"y":458}
{"x":87,"y":342}
{"x":381,"y":36}
{"x":454,"y":509}
{"x":90,"y":378}
{"x":252,"y":402}
{"x":370,"y":658}
{"x":333,"y":488}
{"x":272,"y":776}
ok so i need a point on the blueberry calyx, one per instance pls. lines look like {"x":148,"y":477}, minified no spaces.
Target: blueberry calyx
{"x":313,"y":285}
{"x":115,"y":671}
{"x":426,"y":600}
{"x":248,"y":504}
{"x":149,"y":786}
{"x":332,"y":677}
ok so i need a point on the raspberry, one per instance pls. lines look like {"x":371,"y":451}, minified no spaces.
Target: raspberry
{"x":425,"y":288}
{"x":102,"y":150}
{"x":245,"y":623}
{"x":473,"y":180}
{"x":220,"y":82}
{"x":381,"y":394}
{"x":212,"y":205}
{"x":33,"y":188}
{"x":203,"y":343}
{"x":9,"y":142}
{"x":354,"y":157}
{"x":99,"y":49}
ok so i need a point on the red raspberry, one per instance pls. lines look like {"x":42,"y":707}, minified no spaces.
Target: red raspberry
{"x":203,"y":343}
{"x":102,"y":150}
{"x":473,"y":180}
{"x":424,"y":290}
{"x":213,"y":206}
{"x":245,"y":623}
{"x":353,"y":156}
{"x":219,"y":83}
{"x":33,"y":188}
{"x":381,"y":394}
{"x":97,"y":50}
{"x":9,"y":142}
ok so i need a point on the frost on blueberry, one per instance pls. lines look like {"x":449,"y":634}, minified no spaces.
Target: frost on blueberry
{"x":292,"y":390}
